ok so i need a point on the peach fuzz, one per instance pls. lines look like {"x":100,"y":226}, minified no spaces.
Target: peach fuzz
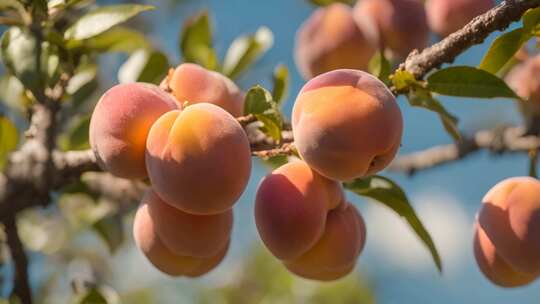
{"x":198,"y":159}
{"x":493,"y":266}
{"x":346,"y":124}
{"x":402,"y":24}
{"x":336,"y":252}
{"x":189,"y":234}
{"x":448,"y":16}
{"x":510,"y":216}
{"x":163,"y":258}
{"x":291,"y":206}
{"x":330,"y":39}
{"x":193,"y":84}
{"x":120,"y":124}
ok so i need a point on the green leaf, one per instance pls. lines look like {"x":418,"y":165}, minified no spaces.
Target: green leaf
{"x":8,"y":139}
{"x":503,"y":49}
{"x":82,"y":85}
{"x":117,"y":39}
{"x":196,"y":42}
{"x":531,"y":19}
{"x":144,"y":66}
{"x":111,"y":230}
{"x":390,"y":194}
{"x":328,"y":2}
{"x":276,"y":161}
{"x":280,"y":79}
{"x":102,"y":19}
{"x":402,"y":80}
{"x":12,"y":94}
{"x":380,"y":67}
{"x":93,"y":296}
{"x":259,"y":102}
{"x":77,"y":137}
{"x":423,"y":99}
{"x":245,"y":50}
{"x":464,"y":81}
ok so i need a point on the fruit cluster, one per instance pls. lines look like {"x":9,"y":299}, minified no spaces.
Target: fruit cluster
{"x":337,"y":37}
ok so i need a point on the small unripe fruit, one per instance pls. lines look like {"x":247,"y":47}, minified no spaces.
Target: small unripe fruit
{"x":120,"y":124}
{"x":346,"y":124}
{"x":330,"y":39}
{"x":448,"y":16}
{"x":198,"y":159}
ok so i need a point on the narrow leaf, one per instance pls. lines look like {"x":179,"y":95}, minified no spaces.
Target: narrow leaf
{"x":328,"y":2}
{"x":280,"y":79}
{"x":467,"y":81}
{"x":196,"y":42}
{"x":144,"y":66}
{"x":380,"y":67}
{"x":257,"y":100}
{"x":503,"y":49}
{"x":102,"y":19}
{"x":8,"y":139}
{"x":390,"y":194}
{"x":117,"y":39}
{"x":245,"y":50}
{"x":111,"y":230}
{"x":531,"y":19}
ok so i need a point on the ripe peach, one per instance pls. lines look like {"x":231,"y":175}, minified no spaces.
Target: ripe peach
{"x":330,"y":39}
{"x":291,"y":207}
{"x":120,"y":123}
{"x":189,"y":234}
{"x":335,"y":254}
{"x":164,"y":259}
{"x":510,"y":216}
{"x":448,"y":16}
{"x":193,"y":84}
{"x":346,"y":124}
{"x":198,"y":159}
{"x":493,"y":266}
{"x":402,"y":24}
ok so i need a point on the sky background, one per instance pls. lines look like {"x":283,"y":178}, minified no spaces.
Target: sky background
{"x":446,"y":198}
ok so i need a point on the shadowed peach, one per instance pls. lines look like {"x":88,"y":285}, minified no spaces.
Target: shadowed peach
{"x":346,"y":124}
{"x":198,"y":159}
{"x":120,"y":124}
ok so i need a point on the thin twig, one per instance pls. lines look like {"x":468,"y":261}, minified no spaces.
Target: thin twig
{"x":21,"y":288}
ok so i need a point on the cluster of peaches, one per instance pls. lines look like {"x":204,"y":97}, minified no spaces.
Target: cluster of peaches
{"x":337,"y":36}
{"x":197,"y":159}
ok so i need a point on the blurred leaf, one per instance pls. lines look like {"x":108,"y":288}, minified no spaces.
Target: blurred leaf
{"x":8,"y":139}
{"x":93,"y":296}
{"x":380,"y":67}
{"x":111,"y":230}
{"x":196,"y":42}
{"x":503,"y":49}
{"x":276,"y":161}
{"x":424,"y":99}
{"x":12,"y":93}
{"x":81,"y":210}
{"x":245,"y":50}
{"x":531,"y":19}
{"x":102,"y":19}
{"x":403,"y":80}
{"x":117,"y":39}
{"x":76,"y":138}
{"x":464,"y":81}
{"x":144,"y":66}
{"x":390,"y":194}
{"x":259,"y":102}
{"x":46,"y":233}
{"x":281,"y":80}
{"x":82,"y":85}
{"x":328,"y":2}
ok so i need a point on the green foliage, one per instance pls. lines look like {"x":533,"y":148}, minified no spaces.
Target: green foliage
{"x":117,"y":39}
{"x":259,"y":102}
{"x":424,"y":99}
{"x":387,"y":192}
{"x":245,"y":50}
{"x":280,"y":79}
{"x":102,"y":19}
{"x":196,"y":42}
{"x":328,"y":2}
{"x":76,"y":138}
{"x":465,"y":81}
{"x":380,"y":67}
{"x":111,"y":230}
{"x":403,"y":80}
{"x":9,"y":138}
{"x":144,"y":66}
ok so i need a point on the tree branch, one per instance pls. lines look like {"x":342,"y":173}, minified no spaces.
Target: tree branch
{"x":445,"y":51}
{"x":507,"y":140}
{"x":21,"y":288}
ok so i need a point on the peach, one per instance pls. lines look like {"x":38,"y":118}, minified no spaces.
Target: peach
{"x":402,"y":24}
{"x":291,"y":207}
{"x":330,"y":39}
{"x":193,"y":84}
{"x":189,"y":234}
{"x":346,"y":124}
{"x":336,"y":252}
{"x":493,"y":266}
{"x":164,"y":259}
{"x":448,"y":16}
{"x":198,"y":159}
{"x":524,"y":80}
{"x":510,"y":216}
{"x":120,"y":124}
